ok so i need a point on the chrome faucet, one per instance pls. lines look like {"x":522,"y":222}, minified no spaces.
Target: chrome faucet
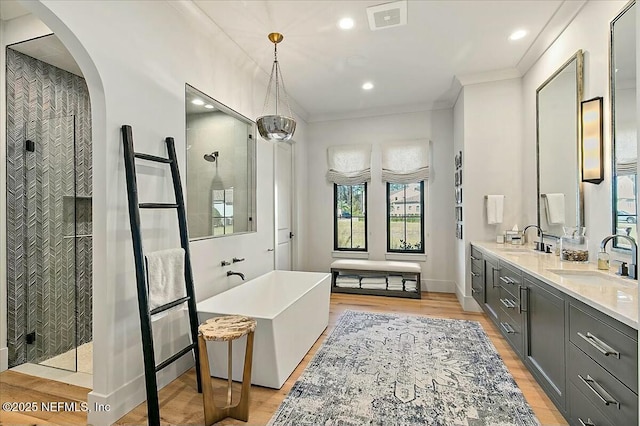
{"x":633,"y":267}
{"x":240,"y":274}
{"x":539,"y":244}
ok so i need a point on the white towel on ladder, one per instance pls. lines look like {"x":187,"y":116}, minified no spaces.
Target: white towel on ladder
{"x":495,"y":209}
{"x":555,"y":208}
{"x":165,"y":272}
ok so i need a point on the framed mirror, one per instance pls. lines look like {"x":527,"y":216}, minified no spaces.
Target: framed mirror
{"x":221,"y":168}
{"x":624,"y":131}
{"x":560,"y":202}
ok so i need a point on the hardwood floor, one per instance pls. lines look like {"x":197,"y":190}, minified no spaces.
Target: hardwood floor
{"x":181,"y":404}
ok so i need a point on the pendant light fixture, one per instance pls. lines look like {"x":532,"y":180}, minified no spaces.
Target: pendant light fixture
{"x":277,"y":127}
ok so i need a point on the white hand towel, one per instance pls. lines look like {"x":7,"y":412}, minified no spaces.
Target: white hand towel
{"x":495,"y":209}
{"x":555,"y":209}
{"x":165,"y":272}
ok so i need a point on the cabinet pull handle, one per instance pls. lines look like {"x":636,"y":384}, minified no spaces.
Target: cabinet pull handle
{"x":587,"y":423}
{"x":520,"y":308}
{"x":592,"y":384}
{"x":601,"y":346}
{"x":507,"y":328}
{"x":493,"y":285}
{"x":473,"y":274}
{"x":504,"y":280}
{"x":474,"y":258}
{"x":508,"y":303}
{"x":474,"y":291}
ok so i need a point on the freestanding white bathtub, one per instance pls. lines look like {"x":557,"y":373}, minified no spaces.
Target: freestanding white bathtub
{"x":291,"y":309}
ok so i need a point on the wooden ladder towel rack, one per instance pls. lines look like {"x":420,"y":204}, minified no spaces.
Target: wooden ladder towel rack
{"x":150,"y":367}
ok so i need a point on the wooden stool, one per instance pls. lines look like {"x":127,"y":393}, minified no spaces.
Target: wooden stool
{"x":227,"y":328}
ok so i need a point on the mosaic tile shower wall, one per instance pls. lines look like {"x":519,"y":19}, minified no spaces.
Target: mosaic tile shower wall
{"x":49,"y":246}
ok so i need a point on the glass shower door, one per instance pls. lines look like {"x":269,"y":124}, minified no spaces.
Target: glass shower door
{"x":50,"y":246}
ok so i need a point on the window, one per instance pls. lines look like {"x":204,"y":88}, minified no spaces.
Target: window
{"x":405,"y":216}
{"x":350,"y":217}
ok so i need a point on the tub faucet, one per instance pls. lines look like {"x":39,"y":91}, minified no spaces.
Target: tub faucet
{"x":539,"y":244}
{"x":240,"y":274}
{"x":633,"y":267}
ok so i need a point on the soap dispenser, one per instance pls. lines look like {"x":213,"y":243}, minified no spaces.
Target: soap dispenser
{"x":603,"y":260}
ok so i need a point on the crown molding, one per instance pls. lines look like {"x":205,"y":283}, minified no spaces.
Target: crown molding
{"x":555,"y":26}
{"x":380,"y":111}
{"x":488,"y":76}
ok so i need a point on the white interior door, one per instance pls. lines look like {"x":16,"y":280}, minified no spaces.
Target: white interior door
{"x":284,"y":206}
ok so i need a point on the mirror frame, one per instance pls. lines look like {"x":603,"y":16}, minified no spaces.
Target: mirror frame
{"x":579,"y":58}
{"x":252,"y":164}
{"x":612,"y":129}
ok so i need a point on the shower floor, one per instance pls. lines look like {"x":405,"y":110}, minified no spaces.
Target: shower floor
{"x":67,"y":359}
{"x":57,"y":368}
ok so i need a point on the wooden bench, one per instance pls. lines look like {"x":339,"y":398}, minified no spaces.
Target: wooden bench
{"x":379,"y":277}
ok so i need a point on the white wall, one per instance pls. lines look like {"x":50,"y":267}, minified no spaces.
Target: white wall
{"x":12,"y":31}
{"x":590,"y":32}
{"x":459,"y":256}
{"x":142,"y":54}
{"x":491,"y":137}
{"x":437,"y":269}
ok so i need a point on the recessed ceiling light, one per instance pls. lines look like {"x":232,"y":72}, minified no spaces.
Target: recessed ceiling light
{"x":367,"y":86}
{"x":197,"y":102}
{"x":346,"y":23}
{"x":207,"y":106}
{"x":517,"y":35}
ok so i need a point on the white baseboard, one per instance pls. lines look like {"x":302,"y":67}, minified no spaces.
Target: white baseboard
{"x":4,"y":359}
{"x":468,"y":303}
{"x":438,"y":286}
{"x":129,"y":396}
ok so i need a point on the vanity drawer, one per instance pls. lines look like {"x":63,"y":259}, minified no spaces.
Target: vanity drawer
{"x":476,"y":259}
{"x":616,"y":401}
{"x":511,"y":328}
{"x":510,"y":279}
{"x":582,"y":412}
{"x":598,"y":337}
{"x":477,"y":287}
{"x":509,"y":303}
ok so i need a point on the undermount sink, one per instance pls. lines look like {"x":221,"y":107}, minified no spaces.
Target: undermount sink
{"x":592,"y":277}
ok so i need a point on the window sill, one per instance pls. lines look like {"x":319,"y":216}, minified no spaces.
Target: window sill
{"x":350,"y":254}
{"x":406,"y":256}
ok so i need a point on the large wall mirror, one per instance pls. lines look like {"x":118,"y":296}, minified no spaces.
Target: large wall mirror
{"x":559,"y":189}
{"x":221,"y":185}
{"x":624,"y":131}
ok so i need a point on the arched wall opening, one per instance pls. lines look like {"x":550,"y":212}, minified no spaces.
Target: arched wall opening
{"x":98,"y":136}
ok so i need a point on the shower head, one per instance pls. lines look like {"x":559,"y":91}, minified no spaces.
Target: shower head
{"x":211,"y":157}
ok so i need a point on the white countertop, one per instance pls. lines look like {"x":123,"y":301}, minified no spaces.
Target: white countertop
{"x":618,"y":299}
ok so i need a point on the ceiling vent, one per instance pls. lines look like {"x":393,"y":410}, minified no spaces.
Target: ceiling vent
{"x":387,"y":15}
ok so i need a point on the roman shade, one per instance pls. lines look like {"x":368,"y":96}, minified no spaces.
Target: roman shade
{"x":349,"y":164}
{"x":627,"y":167}
{"x":405,"y":162}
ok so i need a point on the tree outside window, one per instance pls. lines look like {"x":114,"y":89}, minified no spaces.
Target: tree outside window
{"x":405,"y":217}
{"x":350,"y":217}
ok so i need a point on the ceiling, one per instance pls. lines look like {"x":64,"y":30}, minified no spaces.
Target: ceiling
{"x":10,"y":9}
{"x":49,"y":49}
{"x":412,"y":66}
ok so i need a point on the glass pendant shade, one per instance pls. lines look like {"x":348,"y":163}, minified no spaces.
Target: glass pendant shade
{"x":276,"y":127}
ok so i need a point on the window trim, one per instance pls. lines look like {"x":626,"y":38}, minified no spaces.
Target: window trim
{"x":422,"y":224}
{"x":335,"y":220}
